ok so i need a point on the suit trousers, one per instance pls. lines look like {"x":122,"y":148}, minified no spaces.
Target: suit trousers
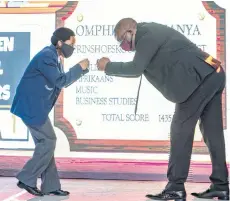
{"x":205,"y":105}
{"x":42,"y":163}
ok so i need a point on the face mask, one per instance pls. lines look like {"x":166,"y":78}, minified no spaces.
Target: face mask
{"x":67,"y":50}
{"x":126,"y":45}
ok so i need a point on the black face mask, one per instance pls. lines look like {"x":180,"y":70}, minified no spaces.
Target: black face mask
{"x":67,"y":50}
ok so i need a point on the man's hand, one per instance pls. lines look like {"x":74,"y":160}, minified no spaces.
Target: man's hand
{"x":84,"y":64}
{"x":101,"y":63}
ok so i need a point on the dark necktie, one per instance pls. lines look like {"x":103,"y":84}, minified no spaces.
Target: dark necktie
{"x":138,"y":92}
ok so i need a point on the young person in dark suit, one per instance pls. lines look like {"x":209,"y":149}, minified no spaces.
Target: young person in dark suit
{"x":188,"y":77}
{"x":35,"y":97}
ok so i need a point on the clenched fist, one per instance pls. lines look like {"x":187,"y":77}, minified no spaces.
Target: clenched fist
{"x":101,"y":63}
{"x":84,"y":64}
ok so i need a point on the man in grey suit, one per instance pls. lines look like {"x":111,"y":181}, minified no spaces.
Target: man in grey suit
{"x":35,"y":97}
{"x":193,"y":80}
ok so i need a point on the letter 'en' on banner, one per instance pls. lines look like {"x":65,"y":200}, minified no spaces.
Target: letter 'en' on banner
{"x":142,"y":146}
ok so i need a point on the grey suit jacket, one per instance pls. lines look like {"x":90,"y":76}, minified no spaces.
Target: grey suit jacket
{"x":171,"y":63}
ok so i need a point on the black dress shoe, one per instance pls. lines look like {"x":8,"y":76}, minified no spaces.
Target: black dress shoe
{"x":169,"y":195}
{"x":212,"y":193}
{"x":58,"y":193}
{"x":32,"y":190}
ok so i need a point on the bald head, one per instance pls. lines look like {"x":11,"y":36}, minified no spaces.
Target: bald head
{"x":124,"y":25}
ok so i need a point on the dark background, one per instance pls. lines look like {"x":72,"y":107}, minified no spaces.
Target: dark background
{"x":14,"y":62}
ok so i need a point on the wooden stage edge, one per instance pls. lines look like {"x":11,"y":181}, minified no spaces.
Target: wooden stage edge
{"x":114,"y":169}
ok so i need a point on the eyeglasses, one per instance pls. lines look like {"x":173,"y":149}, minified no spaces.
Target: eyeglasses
{"x":122,"y":38}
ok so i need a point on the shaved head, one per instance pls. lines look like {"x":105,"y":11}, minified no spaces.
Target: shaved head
{"x":124,"y":25}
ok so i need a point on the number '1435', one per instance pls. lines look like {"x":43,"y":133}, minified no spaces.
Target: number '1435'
{"x":164,"y":118}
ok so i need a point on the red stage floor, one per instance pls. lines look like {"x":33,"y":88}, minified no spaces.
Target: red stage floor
{"x":95,"y":190}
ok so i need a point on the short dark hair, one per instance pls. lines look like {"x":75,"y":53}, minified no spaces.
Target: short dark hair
{"x":62,"y":34}
{"x":125,"y":22}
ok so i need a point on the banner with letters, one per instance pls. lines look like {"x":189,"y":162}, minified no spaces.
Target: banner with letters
{"x":100,"y":109}
{"x":14,"y":57}
{"x":20,"y":40}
